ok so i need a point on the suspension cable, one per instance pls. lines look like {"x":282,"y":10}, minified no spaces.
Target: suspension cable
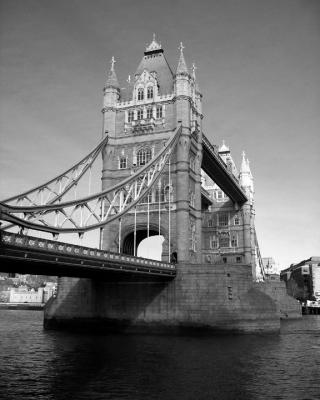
{"x":169,"y":201}
{"x":159,"y":198}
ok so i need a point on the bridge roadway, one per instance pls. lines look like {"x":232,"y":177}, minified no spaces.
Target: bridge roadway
{"x":30,"y":255}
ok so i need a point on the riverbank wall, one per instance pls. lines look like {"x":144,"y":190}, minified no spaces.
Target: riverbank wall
{"x":287,"y":306}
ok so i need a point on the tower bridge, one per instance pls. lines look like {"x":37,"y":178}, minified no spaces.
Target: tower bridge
{"x":161,"y":176}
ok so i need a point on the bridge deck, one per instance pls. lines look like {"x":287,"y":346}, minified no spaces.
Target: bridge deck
{"x":31,"y":255}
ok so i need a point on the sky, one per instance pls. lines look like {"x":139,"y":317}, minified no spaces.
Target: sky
{"x":258,"y":67}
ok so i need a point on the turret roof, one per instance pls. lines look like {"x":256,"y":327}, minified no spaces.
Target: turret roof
{"x":112,"y":80}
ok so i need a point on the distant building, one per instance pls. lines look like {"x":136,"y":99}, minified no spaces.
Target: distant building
{"x":303,"y":279}
{"x":269,"y":267}
{"x":23,"y":295}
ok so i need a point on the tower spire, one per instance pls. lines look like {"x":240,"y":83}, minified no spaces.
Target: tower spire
{"x":112,"y":80}
{"x":182,"y":66}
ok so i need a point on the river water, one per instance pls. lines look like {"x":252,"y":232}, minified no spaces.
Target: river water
{"x":38,"y":364}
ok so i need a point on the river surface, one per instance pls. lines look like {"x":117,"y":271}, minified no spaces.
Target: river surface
{"x":38,"y":364}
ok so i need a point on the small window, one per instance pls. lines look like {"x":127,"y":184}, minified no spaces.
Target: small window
{"x":140,"y":94}
{"x":219,"y":194}
{"x":210,"y":222}
{"x":236,"y":220}
{"x":139,"y":114}
{"x":238,"y":260}
{"x":130,"y":116}
{"x":234,"y":240}
{"x":123,"y":162}
{"x":159,"y":112}
{"x":224,"y":260}
{"x":149,"y":113}
{"x":150,"y":92}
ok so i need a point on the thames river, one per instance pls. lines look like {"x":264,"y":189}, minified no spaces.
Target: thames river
{"x":38,"y":364}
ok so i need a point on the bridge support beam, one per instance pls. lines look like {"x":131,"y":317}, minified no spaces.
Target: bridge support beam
{"x":202,"y":297}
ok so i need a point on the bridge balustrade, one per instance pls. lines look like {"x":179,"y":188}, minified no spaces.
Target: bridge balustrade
{"x":66,"y":248}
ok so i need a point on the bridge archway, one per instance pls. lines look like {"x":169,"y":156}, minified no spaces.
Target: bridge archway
{"x":141,"y":234}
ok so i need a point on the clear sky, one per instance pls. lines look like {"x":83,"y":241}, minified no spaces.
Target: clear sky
{"x":258,"y":68}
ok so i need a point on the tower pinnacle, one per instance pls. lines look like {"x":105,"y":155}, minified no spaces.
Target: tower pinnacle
{"x":182,"y":66}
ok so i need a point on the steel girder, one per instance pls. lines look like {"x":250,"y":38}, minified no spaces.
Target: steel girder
{"x":91,"y":212}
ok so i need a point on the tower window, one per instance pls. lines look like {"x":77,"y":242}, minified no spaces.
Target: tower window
{"x":224,"y":240}
{"x":219,"y":195}
{"x":149,"y":113}
{"x":213,"y":242}
{"x":236,"y":220}
{"x":130,"y":116}
{"x":123,"y":162}
{"x":223,"y":219}
{"x":159,"y":112}
{"x":143,"y":156}
{"x":150,"y":92}
{"x":140,"y":94}
{"x":139,"y":114}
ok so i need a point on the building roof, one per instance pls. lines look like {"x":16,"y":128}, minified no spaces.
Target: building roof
{"x":155,"y":61}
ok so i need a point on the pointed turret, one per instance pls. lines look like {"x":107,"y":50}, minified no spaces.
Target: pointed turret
{"x":245,"y":176}
{"x":182,"y":65}
{"x":110,"y":99}
{"x":112,"y":80}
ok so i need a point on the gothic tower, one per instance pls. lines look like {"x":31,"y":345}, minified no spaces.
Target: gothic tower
{"x":139,"y":119}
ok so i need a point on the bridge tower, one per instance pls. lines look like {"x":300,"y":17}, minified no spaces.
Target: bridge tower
{"x":139,"y":119}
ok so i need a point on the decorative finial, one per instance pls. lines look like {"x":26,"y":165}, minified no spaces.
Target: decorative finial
{"x":113,"y":61}
{"x":243,"y":154}
{"x":129,"y":79}
{"x":181,"y":47}
{"x":154,"y":37}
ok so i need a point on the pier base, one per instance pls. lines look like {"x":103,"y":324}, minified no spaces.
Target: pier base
{"x":202,"y":298}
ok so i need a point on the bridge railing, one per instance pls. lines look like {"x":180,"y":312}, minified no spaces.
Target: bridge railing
{"x":30,"y":242}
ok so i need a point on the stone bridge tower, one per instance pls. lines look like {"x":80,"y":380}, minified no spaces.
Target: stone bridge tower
{"x":139,"y":119}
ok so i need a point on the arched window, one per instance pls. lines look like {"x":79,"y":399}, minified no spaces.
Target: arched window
{"x":159,"y":112}
{"x":143,"y":156}
{"x":149,"y":113}
{"x":140,"y":94}
{"x":150,"y":92}
{"x":130,"y":116}
{"x":139,"y":114}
